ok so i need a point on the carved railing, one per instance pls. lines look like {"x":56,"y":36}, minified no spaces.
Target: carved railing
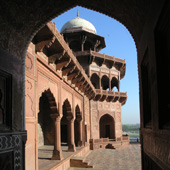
{"x":111,"y":96}
{"x":99,"y":55}
{"x":121,"y":62}
{"x":113,"y":93}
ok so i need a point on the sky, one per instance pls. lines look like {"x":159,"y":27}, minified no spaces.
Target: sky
{"x":120,"y":44}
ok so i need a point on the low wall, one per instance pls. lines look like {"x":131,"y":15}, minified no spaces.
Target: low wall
{"x":103,"y":142}
{"x":65,"y":164}
{"x":98,"y":143}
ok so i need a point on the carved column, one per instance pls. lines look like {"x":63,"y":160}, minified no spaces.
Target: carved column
{"x":57,"y":152}
{"x":119,"y":82}
{"x":81,"y":135}
{"x":83,"y":40}
{"x":100,"y":80}
{"x":110,"y":85}
{"x":71,"y":143}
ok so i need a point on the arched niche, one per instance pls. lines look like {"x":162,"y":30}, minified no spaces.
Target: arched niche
{"x":107,"y":127}
{"x":105,"y":82}
{"x":77,"y":126}
{"x":95,"y":80}
{"x":114,"y":83}
{"x":47,"y":106}
{"x":67,"y":116}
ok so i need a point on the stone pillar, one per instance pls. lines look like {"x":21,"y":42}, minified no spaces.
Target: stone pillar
{"x":110,"y":85}
{"x":71,"y":143}
{"x":100,"y":81}
{"x":83,"y":40}
{"x":80,"y":142}
{"x":57,"y":152}
{"x":119,"y":82}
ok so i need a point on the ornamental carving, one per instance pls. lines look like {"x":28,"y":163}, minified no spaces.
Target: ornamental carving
{"x":112,"y":106}
{"x":100,"y":105}
{"x":95,"y":68}
{"x":106,"y":106}
{"x":1,"y":109}
{"x":105,"y":70}
{"x":29,"y":94}
{"x":11,"y":142}
{"x":114,"y":72}
{"x":29,"y":63}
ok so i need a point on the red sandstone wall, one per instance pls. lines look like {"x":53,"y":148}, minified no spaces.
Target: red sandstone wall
{"x":30,"y":109}
{"x":39,"y":77}
{"x":98,"y":109}
{"x":87,"y":118}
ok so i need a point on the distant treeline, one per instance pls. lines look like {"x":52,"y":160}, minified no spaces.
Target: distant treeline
{"x":131,"y":128}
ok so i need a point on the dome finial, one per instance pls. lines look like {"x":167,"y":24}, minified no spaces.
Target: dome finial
{"x":77,"y":13}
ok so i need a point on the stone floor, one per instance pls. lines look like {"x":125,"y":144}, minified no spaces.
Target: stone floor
{"x":126,"y":158}
{"x":45,"y":155}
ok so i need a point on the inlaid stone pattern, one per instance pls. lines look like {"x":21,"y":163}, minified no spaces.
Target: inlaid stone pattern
{"x":12,"y":158}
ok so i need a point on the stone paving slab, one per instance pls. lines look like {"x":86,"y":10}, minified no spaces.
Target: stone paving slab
{"x":45,"y":155}
{"x":126,"y":158}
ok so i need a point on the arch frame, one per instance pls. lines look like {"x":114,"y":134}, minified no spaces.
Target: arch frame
{"x":110,"y":126}
{"x":68,"y":107}
{"x":95,"y":79}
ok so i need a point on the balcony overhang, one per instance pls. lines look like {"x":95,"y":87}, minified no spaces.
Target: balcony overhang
{"x":105,"y":58}
{"x":110,"y":96}
{"x":49,"y":41}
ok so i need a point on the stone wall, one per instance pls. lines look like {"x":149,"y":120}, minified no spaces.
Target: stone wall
{"x":98,"y":109}
{"x":42,"y":83}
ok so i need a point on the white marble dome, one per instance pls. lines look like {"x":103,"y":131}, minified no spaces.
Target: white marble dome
{"x":78,"y":24}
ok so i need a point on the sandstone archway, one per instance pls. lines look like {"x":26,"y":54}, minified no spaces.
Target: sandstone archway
{"x":47,"y":106}
{"x":107,"y":127}
{"x":78,"y":127}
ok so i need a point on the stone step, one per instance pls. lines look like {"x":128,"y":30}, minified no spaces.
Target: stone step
{"x":80,"y":162}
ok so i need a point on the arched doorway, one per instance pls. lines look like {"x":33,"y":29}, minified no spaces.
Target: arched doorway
{"x":67,"y":126}
{"x":45,"y":122}
{"x":78,"y":127}
{"x":107,"y":127}
{"x":135,"y":16}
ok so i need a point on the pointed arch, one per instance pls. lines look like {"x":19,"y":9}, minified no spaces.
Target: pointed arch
{"x":105,"y":82}
{"x":67,"y":109}
{"x":47,"y":106}
{"x":114,"y":83}
{"x":78,"y":126}
{"x":78,"y":114}
{"x":67,"y":116}
{"x":95,"y":80}
{"x":107,"y":126}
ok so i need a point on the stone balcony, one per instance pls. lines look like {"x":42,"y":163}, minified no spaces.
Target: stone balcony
{"x":121,"y":63}
{"x":111,"y":96}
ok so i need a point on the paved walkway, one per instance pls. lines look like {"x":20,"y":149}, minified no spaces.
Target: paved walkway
{"x":45,"y":154}
{"x":126,"y":158}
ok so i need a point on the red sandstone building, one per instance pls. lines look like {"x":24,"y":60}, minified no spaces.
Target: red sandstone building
{"x":147,"y":21}
{"x":69,"y":92}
